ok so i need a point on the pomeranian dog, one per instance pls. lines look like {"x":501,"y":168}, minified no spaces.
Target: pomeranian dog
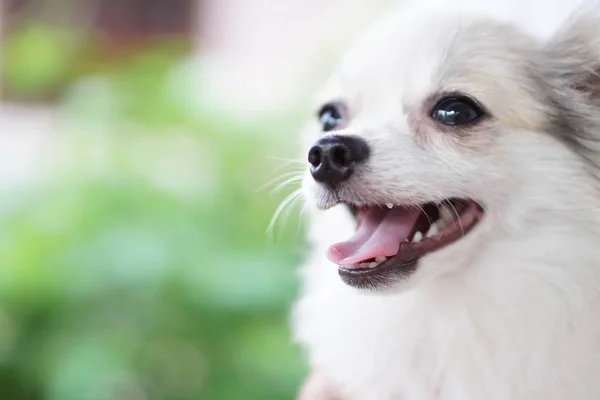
{"x":453,"y":178}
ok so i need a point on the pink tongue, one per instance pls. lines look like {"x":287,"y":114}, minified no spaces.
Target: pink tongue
{"x":379,"y":233}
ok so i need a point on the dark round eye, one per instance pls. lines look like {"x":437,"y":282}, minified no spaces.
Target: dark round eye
{"x":331,"y":117}
{"x":456,"y":110}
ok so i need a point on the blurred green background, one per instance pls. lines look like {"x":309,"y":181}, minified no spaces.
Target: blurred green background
{"x":138,"y":265}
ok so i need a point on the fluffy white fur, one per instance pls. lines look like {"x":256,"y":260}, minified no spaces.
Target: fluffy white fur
{"x":512,"y":310}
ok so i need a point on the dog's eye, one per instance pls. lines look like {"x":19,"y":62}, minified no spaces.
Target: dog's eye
{"x":331,"y":117}
{"x":456,"y":110}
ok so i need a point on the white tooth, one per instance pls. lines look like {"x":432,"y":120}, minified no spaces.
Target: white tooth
{"x":389,"y":205}
{"x":372,"y":265}
{"x":441,"y":224}
{"x":433,"y":229}
{"x":380,"y":259}
{"x":446,"y":215}
{"x":417,"y":238}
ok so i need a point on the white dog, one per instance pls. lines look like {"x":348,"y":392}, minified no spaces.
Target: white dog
{"x":455,"y":179}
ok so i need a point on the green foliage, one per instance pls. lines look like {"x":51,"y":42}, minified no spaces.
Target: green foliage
{"x":39,"y":58}
{"x":141,"y":268}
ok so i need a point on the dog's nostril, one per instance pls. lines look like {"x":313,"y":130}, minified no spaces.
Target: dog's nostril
{"x":314,"y":156}
{"x":340,"y":156}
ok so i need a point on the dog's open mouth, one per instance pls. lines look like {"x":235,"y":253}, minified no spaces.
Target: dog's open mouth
{"x":391,"y":239}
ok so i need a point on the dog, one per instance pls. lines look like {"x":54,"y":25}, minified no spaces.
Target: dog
{"x":453,"y":182}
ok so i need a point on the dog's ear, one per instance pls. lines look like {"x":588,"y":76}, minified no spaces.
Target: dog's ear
{"x":573,"y":54}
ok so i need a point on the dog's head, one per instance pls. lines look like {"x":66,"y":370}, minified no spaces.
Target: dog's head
{"x":441,"y":122}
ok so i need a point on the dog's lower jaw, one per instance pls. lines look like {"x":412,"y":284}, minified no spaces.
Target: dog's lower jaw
{"x":519,"y":319}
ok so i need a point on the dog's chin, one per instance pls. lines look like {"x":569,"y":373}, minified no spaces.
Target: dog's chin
{"x":390,"y":240}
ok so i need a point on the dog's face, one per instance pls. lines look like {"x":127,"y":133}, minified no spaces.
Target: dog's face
{"x":437,"y":123}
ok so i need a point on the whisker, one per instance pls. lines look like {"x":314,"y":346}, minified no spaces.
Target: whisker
{"x":275,"y":180}
{"x":293,"y":179}
{"x":293,"y":164}
{"x":301,"y":219}
{"x":289,"y":208}
{"x":287,"y":202}
{"x":288,"y":161}
{"x":304,"y":208}
{"x":480,"y":205}
{"x":426,"y":215}
{"x":462,"y":230}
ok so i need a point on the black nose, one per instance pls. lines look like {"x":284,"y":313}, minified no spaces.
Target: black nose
{"x":333,"y":158}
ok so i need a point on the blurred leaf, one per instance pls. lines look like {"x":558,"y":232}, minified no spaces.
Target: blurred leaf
{"x":38,"y":58}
